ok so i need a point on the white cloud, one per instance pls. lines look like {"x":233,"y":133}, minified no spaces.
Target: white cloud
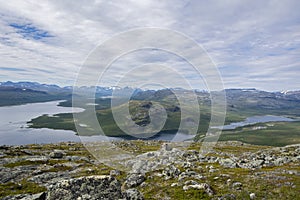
{"x":254,"y":43}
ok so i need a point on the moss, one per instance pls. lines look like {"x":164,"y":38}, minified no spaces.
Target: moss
{"x":138,"y":146}
{"x":22,"y":187}
{"x":28,"y":162}
{"x":239,"y":148}
{"x":58,"y":169}
{"x":90,"y":169}
{"x":157,"y":188}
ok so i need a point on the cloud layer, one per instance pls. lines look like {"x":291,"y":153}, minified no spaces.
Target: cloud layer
{"x":253,"y":43}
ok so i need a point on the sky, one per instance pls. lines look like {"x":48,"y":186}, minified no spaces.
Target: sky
{"x":253,"y":44}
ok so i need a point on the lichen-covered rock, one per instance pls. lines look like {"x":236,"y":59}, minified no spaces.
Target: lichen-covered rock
{"x":132,"y":194}
{"x":56,"y":154}
{"x":134,"y":180}
{"x":227,"y":162}
{"x":171,"y":172}
{"x":39,"y":196}
{"x":202,"y":186}
{"x":91,"y":187}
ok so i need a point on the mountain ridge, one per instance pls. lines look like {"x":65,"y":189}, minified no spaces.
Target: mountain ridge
{"x":32,"y":85}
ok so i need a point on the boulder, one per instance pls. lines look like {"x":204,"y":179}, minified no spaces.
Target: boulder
{"x":166,"y":147}
{"x":91,"y":187}
{"x":56,"y":154}
{"x":252,"y":196}
{"x":134,"y":180}
{"x":114,"y":172}
{"x":227,"y":162}
{"x":202,"y":186}
{"x":237,"y":185}
{"x":132,"y":194}
{"x":39,"y":196}
{"x":171,"y":172}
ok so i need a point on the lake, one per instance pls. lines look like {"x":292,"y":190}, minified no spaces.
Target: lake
{"x":13,"y":126}
{"x":255,"y":120}
{"x":14,"y":129}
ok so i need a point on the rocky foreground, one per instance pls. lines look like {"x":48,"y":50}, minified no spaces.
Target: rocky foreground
{"x":158,"y":171}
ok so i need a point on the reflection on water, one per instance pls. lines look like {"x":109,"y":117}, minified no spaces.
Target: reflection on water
{"x":14,"y":130}
{"x":255,"y":120}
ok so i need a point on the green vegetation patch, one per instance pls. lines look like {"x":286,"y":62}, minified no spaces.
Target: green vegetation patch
{"x":279,"y":134}
{"x":29,"y":162}
{"x":22,"y":187}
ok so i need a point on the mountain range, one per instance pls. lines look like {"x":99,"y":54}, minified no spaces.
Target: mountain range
{"x":13,"y":93}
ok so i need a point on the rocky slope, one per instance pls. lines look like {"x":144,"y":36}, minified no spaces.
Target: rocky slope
{"x":158,"y":171}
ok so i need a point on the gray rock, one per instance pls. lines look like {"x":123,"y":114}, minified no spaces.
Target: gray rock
{"x":91,"y":187}
{"x":48,"y":177}
{"x":227,"y":197}
{"x":252,"y":196}
{"x":187,"y":165}
{"x":171,"y":172}
{"x":9,"y":175}
{"x":203,"y":186}
{"x":188,"y":174}
{"x":191,"y":182}
{"x":114,"y":172}
{"x":237,"y":185}
{"x":134,"y":180}
{"x":132,"y":194}
{"x":77,"y":158}
{"x":213,"y":170}
{"x":166,"y":147}
{"x":39,"y":196}
{"x":227,"y":162}
{"x":174,"y":184}
{"x":27,"y":152}
{"x":191,"y":155}
{"x":154,"y":160}
{"x":150,"y":154}
{"x":37,"y":159}
{"x":56,"y":154}
{"x":281,"y":161}
{"x":257,"y":163}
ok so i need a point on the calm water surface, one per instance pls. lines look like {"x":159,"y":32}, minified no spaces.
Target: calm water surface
{"x":14,"y":129}
{"x":257,"y":119}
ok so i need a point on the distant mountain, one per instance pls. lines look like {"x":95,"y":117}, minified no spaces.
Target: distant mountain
{"x":16,"y":96}
{"x":54,"y":89}
{"x":15,"y":93}
{"x":245,"y":101}
{"x":291,"y":94}
{"x":237,"y":99}
{"x":34,"y":86}
{"x":257,"y":101}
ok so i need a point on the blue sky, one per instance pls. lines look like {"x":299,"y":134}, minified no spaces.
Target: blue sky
{"x":253,"y":43}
